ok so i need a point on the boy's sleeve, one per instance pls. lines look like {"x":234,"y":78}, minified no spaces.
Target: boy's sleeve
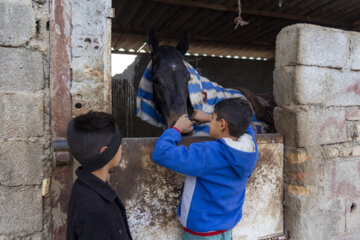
{"x":93,"y":227}
{"x":189,"y":161}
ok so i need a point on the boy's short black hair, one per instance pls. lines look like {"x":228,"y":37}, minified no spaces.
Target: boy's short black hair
{"x":88,"y":133}
{"x":237,"y":112}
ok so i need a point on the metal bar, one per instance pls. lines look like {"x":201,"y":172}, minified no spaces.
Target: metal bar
{"x":61,"y":145}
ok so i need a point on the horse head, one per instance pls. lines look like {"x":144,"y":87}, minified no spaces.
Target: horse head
{"x":170,"y":78}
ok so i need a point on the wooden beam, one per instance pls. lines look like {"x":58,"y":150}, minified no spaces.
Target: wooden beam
{"x":189,"y":3}
{"x":144,"y":35}
{"x":218,"y":7}
{"x":200,"y":46}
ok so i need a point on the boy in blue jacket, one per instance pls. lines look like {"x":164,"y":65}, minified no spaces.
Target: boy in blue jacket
{"x":216,"y":171}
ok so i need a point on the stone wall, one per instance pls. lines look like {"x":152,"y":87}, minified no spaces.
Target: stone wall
{"x":317,"y":89}
{"x":24,"y":121}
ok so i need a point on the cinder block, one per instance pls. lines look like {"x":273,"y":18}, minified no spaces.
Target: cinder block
{"x":321,"y":126}
{"x":356,"y":151}
{"x":17,"y":22}
{"x":285,"y":123}
{"x":353,"y":115}
{"x":331,"y":151}
{"x":21,"y":163}
{"x":347,"y":236}
{"x":303,"y":85}
{"x":355,"y":51}
{"x":293,"y":215}
{"x":286,"y":49}
{"x":20,"y":210}
{"x":285,"y":86}
{"x":357,"y":132}
{"x":330,"y":219}
{"x":306,"y":44}
{"x":352,"y":214}
{"x":326,"y":87}
{"x":21,"y":70}
{"x":22,"y":114}
{"x":353,"y":132}
{"x":311,"y":126}
{"x":36,"y":236}
{"x":342,"y":179}
{"x":327,"y":217}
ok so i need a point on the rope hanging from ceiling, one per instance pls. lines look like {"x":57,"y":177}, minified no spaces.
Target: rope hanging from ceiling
{"x":238,"y":20}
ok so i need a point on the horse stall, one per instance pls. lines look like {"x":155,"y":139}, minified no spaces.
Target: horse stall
{"x":56,"y":64}
{"x":301,"y":173}
{"x":151,"y":193}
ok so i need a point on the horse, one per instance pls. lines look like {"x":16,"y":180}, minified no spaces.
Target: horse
{"x":171,"y":80}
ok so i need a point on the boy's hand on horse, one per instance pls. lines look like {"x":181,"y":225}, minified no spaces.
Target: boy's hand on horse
{"x":184,"y":124}
{"x":200,"y":117}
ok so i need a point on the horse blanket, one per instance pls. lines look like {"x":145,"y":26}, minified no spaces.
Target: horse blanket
{"x":203,"y":95}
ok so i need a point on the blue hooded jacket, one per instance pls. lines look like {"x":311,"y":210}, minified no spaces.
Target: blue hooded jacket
{"x":216,"y":179}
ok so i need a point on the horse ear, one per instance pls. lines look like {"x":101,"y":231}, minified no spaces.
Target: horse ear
{"x":153,"y":42}
{"x":183,"y":45}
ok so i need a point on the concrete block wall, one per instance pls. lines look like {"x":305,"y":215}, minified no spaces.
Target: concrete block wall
{"x":317,"y":89}
{"x":24,"y":120}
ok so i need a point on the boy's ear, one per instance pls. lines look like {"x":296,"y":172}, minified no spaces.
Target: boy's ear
{"x":153,"y":42}
{"x":223,"y":125}
{"x":183,"y":45}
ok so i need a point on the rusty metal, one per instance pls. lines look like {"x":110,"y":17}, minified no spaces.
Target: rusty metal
{"x":60,"y":72}
{"x":275,"y":237}
{"x":151,"y":193}
{"x":62,"y":158}
{"x":60,"y":82}
{"x":60,"y":145}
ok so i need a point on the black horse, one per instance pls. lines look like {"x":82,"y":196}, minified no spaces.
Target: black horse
{"x":170,"y":82}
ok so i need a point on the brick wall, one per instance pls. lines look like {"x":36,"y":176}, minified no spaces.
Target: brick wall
{"x":317,"y":89}
{"x":24,"y":119}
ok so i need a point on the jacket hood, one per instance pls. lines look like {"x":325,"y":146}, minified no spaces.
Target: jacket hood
{"x":242,"y":155}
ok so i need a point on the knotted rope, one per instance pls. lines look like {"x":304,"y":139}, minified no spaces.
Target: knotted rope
{"x":238,"y":20}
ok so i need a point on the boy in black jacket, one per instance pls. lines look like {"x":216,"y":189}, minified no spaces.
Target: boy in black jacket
{"x":95,"y":211}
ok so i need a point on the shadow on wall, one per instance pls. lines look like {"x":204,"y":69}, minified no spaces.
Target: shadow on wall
{"x":230,"y":73}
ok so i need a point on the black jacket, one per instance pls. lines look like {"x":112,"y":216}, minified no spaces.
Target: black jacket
{"x":95,"y":211}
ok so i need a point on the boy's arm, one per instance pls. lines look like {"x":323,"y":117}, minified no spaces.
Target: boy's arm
{"x":189,"y":161}
{"x":200,"y":117}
